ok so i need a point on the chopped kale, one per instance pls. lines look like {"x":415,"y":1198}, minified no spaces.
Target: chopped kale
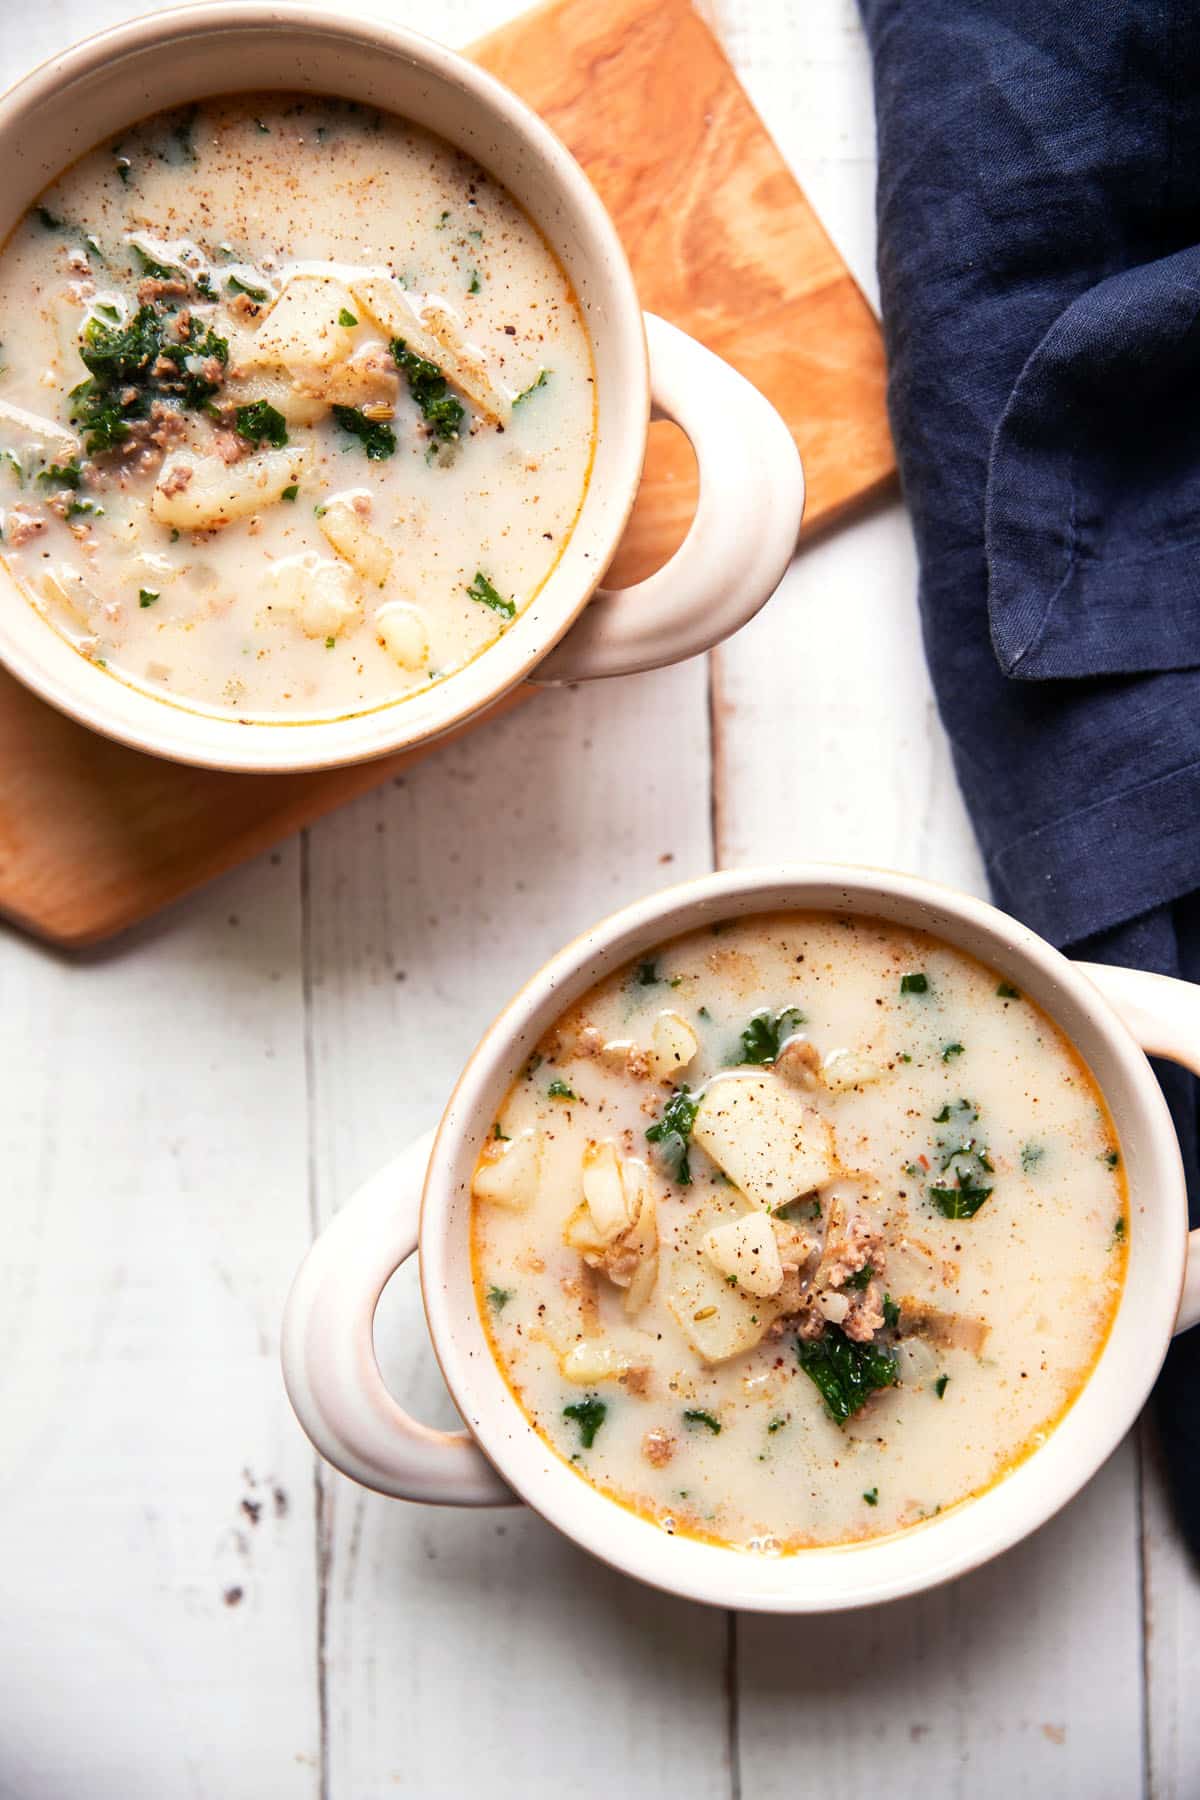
{"x":146,"y":597}
{"x":80,"y":508}
{"x":846,"y":1374}
{"x":259,"y":422}
{"x":60,"y":475}
{"x":950,"y":1050}
{"x":871,"y":1496}
{"x":181,"y":132}
{"x":589,"y":1415}
{"x":891,"y":1312}
{"x":1119,"y":1229}
{"x":646,"y":974}
{"x":695,"y":1415}
{"x":481,"y":589}
{"x":442,"y":412}
{"x":498,"y":1297}
{"x":259,"y":295}
{"x":963,"y":1200}
{"x":671,"y":1133}
{"x":1006,"y":991}
{"x":330,"y":642}
{"x":861,"y":1280}
{"x":940,"y":1386}
{"x":500,"y":1134}
{"x":377,"y":439}
{"x":766,"y":1034}
{"x":50,"y":221}
{"x":347,"y":318}
{"x":148,"y":266}
{"x":1112,"y":1158}
{"x":559,"y":1090}
{"x":118,"y":359}
{"x":290,"y":491}
{"x":917,"y":983}
{"x":475,"y":284}
{"x":189,"y":354}
{"x":123,"y":165}
{"x":543,"y":378}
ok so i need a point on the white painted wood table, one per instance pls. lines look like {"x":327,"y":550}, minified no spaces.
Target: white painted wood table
{"x":190,"y":1606}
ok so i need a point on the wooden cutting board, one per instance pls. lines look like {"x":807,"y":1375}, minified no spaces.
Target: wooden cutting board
{"x":94,"y":837}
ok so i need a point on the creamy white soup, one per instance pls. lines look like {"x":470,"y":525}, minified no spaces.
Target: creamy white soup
{"x":296,"y":407}
{"x":799,"y":1230}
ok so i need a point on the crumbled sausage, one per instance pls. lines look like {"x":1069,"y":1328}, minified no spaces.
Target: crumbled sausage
{"x":176,"y":480}
{"x":21,"y":524}
{"x":799,"y":1063}
{"x":229,"y":446}
{"x":637,"y":1380}
{"x":658,"y":1447}
{"x":156,"y":287}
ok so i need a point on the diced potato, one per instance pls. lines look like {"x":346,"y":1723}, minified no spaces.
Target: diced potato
{"x":66,"y":588}
{"x":673,"y":1044}
{"x":276,"y":387}
{"x":508,"y":1173}
{"x":321,"y":593}
{"x":433,"y":330}
{"x":220,"y":492}
{"x":24,"y":430}
{"x":846,"y":1069}
{"x":368,"y":380}
{"x":719,"y":1321}
{"x":604,"y":1190}
{"x":745,"y":1249}
{"x":401,"y":630}
{"x":69,"y":315}
{"x":591,"y":1360}
{"x":759,"y":1131}
{"x":352,"y":538}
{"x":579,"y":1232}
{"x":302,"y":330}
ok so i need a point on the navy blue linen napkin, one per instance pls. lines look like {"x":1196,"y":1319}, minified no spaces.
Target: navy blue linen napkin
{"x":1039,"y":259}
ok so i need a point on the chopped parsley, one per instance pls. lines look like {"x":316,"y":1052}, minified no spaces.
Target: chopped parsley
{"x":940,"y":1385}
{"x":475,"y":284}
{"x":330,"y":642}
{"x":695,"y":1415}
{"x":442,"y":412}
{"x":589,"y":1415}
{"x":845,"y":1374}
{"x":146,"y":597}
{"x":290,"y":492}
{"x":1006,"y":991}
{"x":765,"y":1035}
{"x":259,"y":422}
{"x":871,"y":1496}
{"x":376,"y":438}
{"x":949,"y":1050}
{"x":500,"y":1134}
{"x":498,"y":1297}
{"x":671,"y":1133}
{"x":543,"y":378}
{"x":63,"y":475}
{"x":347,"y":318}
{"x":559,"y":1090}
{"x":481,"y":589}
{"x":916,"y":983}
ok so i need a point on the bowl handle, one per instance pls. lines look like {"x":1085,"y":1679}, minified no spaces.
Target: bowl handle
{"x":740,"y":541}
{"x":1164,"y":1016}
{"x":329,"y":1364}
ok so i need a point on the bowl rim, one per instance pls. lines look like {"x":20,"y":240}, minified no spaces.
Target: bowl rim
{"x":839,"y":1577}
{"x":180,"y":733}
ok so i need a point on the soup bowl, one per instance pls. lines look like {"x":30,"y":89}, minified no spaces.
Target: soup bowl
{"x":751,"y":482}
{"x":423,"y":1201}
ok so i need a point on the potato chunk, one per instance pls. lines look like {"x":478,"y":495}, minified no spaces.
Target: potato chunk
{"x":321,"y":593}
{"x":592,"y":1359}
{"x":433,"y":330}
{"x":508,"y":1173}
{"x":604,"y":1191}
{"x":352,"y":538}
{"x":673,"y":1044}
{"x":759,"y":1131}
{"x":218,"y":492}
{"x":401,"y":630}
{"x":745,"y":1250}
{"x":719,"y":1321}
{"x":303,"y":329}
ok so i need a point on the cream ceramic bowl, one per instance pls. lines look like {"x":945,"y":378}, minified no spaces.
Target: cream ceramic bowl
{"x":751,"y":483}
{"x":1113,"y":1016}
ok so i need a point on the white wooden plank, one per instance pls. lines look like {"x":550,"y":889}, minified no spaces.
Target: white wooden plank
{"x":429,"y":902}
{"x":156,"y":1506}
{"x":1022,"y":1680}
{"x":1172,"y":1640}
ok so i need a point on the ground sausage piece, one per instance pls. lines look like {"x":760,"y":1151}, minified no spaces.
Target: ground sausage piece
{"x":20,"y":525}
{"x":848,"y":1253}
{"x":155,"y":287}
{"x":176,"y":480}
{"x":166,"y":425}
{"x":230,"y":447}
{"x":865,"y":1316}
{"x":799,"y":1064}
{"x":637,"y":1380}
{"x":658,"y":1447}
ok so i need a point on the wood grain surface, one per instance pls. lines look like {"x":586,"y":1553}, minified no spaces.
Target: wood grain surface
{"x":94,"y":837}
